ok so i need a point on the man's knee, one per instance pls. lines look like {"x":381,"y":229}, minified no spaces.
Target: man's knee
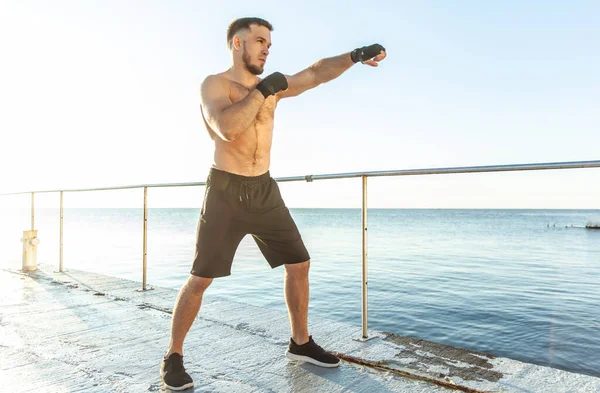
{"x":197,"y":285}
{"x":298,"y":269}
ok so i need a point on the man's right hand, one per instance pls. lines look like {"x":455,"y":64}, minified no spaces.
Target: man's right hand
{"x":272,"y":84}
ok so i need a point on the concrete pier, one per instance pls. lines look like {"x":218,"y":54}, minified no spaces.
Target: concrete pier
{"x":83,"y":332}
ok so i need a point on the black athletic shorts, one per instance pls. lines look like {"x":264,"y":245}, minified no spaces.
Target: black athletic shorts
{"x":235,"y":206}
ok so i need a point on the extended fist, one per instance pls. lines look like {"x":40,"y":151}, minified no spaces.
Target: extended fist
{"x":272,"y":84}
{"x":370,"y":55}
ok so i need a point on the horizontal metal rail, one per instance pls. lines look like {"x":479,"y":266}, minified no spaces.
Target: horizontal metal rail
{"x":404,"y":172}
{"x":445,"y":171}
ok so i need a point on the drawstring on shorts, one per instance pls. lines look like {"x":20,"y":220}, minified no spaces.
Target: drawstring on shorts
{"x":245,"y":184}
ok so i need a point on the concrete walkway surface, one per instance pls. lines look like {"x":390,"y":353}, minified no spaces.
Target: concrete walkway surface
{"x":83,"y":332}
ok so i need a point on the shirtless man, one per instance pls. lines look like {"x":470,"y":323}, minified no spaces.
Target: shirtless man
{"x":241,"y":197}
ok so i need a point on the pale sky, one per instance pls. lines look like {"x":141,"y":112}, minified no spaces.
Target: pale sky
{"x":105,"y":93}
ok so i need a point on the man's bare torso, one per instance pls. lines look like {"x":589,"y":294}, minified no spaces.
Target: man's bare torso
{"x":250,"y":153}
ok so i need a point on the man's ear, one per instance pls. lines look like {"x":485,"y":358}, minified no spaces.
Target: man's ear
{"x":237,"y":42}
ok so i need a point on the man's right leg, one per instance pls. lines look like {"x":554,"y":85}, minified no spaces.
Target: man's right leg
{"x":218,"y":235}
{"x":217,"y":238}
{"x":185,"y":311}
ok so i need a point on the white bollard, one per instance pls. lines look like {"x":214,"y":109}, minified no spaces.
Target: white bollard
{"x":30,"y":242}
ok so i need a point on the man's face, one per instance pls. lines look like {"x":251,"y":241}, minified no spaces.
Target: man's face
{"x":255,"y":49}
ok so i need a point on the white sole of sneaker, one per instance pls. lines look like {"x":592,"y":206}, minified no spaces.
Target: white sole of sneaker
{"x":175,"y":388}
{"x":184,"y":387}
{"x":301,"y":358}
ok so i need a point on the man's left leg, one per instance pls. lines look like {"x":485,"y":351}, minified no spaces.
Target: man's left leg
{"x":279,"y":240}
{"x":301,"y":346}
{"x":296,"y":290}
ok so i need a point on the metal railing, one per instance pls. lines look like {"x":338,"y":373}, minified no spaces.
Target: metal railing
{"x":310,"y":178}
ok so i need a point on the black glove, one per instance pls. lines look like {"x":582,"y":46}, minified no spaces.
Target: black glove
{"x":272,"y":84}
{"x":366,"y":52}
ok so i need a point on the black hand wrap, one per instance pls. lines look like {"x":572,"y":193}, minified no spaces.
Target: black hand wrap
{"x":366,"y":52}
{"x":272,"y":84}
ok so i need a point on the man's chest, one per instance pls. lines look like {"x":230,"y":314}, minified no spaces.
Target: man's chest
{"x":267,"y":110}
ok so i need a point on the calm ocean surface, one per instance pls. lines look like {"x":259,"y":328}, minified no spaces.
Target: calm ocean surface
{"x":522,"y":284}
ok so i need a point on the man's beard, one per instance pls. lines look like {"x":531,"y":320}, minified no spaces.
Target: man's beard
{"x":256,"y":70}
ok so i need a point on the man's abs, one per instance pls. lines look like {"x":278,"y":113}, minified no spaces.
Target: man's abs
{"x":248,"y":155}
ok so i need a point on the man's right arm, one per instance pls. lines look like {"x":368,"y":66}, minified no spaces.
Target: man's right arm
{"x":228,"y":120}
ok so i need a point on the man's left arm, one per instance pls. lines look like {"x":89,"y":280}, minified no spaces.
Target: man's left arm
{"x":330,"y":68}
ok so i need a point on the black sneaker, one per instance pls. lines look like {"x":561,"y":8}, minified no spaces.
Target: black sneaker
{"x":173,"y":373}
{"x":311,"y":353}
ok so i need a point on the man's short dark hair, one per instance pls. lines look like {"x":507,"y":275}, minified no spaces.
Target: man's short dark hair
{"x":244,"y":23}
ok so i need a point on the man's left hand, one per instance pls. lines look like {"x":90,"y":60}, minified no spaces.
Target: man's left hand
{"x":369,"y":55}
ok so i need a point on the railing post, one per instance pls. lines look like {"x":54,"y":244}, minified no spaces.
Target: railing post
{"x":145,"y":236}
{"x":32,"y":212}
{"x":365,"y":314}
{"x":60,"y":263}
